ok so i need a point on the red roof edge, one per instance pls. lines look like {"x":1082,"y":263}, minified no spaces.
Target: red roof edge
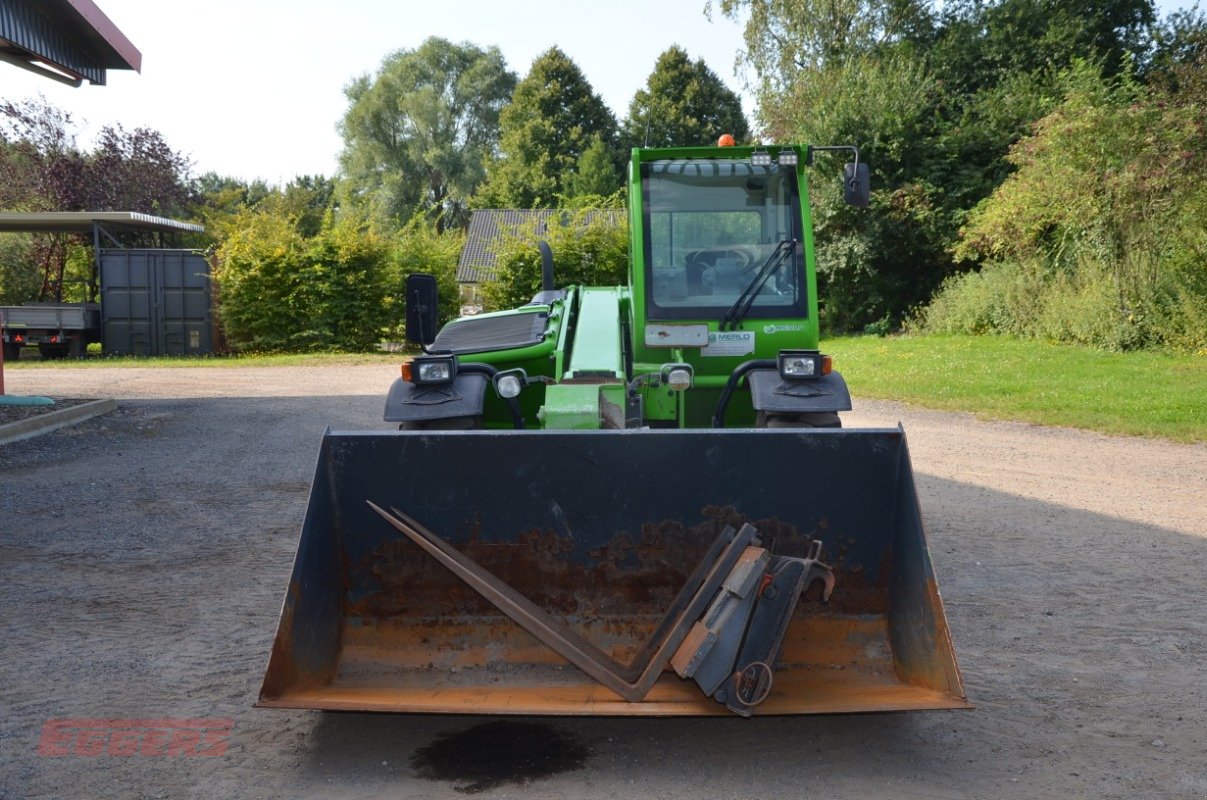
{"x":109,"y":32}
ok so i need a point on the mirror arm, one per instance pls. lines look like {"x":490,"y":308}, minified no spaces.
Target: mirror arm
{"x":830,"y":148}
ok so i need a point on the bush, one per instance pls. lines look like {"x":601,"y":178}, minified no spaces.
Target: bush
{"x":281,"y":291}
{"x":1100,"y":236}
{"x":590,"y":247}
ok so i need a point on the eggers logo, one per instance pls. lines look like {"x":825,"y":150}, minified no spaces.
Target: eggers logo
{"x":135,"y":737}
{"x":784,"y":328}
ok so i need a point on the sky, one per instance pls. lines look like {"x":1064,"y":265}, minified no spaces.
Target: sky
{"x":254,"y":88}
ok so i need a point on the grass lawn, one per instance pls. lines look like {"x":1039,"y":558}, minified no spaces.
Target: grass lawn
{"x":1147,"y":394}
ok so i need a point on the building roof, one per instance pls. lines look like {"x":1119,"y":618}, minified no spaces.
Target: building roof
{"x":488,"y":227}
{"x":83,"y":221}
{"x":66,"y":40}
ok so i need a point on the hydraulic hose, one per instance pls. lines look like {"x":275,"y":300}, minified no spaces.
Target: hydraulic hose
{"x":735,"y":377}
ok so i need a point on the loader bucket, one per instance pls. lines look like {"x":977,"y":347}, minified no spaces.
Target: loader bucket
{"x":602,"y":529}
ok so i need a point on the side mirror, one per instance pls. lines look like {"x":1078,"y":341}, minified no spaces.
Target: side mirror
{"x":422,"y":305}
{"x":856,"y":184}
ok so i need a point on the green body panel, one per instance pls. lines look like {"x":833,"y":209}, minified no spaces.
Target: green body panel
{"x":571,"y":406}
{"x":597,"y":354}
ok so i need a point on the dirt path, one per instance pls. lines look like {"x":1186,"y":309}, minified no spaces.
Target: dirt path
{"x":143,"y":556}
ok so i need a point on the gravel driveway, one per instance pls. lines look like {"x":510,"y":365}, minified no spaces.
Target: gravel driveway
{"x":144,"y":554}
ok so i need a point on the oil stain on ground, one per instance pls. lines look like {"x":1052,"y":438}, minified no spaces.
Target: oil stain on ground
{"x":494,"y":753}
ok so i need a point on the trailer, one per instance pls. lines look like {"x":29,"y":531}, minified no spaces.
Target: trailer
{"x":58,"y":330}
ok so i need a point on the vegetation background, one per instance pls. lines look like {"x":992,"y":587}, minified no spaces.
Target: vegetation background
{"x":1038,"y":171}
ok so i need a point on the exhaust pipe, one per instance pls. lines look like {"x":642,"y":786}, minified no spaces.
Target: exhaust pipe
{"x":547,"y":284}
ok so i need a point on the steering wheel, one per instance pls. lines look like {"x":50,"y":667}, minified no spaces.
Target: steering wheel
{"x":743,"y":257}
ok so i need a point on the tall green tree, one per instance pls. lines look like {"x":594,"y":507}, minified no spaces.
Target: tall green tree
{"x":784,"y":37}
{"x":979,"y":45}
{"x":417,"y":134}
{"x":595,"y":173}
{"x":552,"y":120}
{"x":683,"y":103}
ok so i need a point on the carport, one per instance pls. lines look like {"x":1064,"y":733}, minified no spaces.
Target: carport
{"x":153,"y":300}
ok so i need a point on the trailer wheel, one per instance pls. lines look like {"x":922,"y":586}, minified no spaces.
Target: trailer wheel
{"x":12,"y":351}
{"x":827,"y":419}
{"x":52,"y":351}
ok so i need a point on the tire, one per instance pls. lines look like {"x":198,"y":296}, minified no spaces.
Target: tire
{"x":450,"y":424}
{"x":52,"y":351}
{"x":12,"y":351}
{"x":826,"y":419}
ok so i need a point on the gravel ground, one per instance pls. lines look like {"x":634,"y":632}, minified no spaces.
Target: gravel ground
{"x":144,"y":554}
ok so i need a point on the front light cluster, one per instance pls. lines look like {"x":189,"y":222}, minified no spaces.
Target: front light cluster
{"x":795,"y":365}
{"x":430,"y":370}
{"x":786,"y":158}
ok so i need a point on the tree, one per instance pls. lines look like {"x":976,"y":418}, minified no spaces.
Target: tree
{"x":683,"y":103}
{"x":136,"y":171}
{"x":934,"y":95}
{"x":42,"y":168}
{"x":979,"y":45}
{"x":553,"y":118}
{"x":45,"y":169}
{"x":784,"y":37}
{"x":595,"y":172}
{"x":416,"y":135}
{"x":1099,"y":236}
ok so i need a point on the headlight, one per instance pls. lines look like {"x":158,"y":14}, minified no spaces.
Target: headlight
{"x":760,"y":158}
{"x":434,"y":373}
{"x":788,"y":158}
{"x":430,"y":370}
{"x":798,"y":367}
{"x":795,"y":365}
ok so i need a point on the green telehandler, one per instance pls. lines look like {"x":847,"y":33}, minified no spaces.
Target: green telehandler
{"x":633,"y":500}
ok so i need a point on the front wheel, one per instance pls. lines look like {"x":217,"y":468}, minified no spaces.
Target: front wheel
{"x":450,"y":424}
{"x":826,"y":419}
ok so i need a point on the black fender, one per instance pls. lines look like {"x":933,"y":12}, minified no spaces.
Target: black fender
{"x":408,"y":402}
{"x":773,"y":395}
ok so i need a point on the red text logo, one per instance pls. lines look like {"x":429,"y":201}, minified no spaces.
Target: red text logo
{"x":135,"y":737}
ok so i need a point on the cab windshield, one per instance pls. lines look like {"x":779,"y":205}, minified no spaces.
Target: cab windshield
{"x":711,"y":225}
